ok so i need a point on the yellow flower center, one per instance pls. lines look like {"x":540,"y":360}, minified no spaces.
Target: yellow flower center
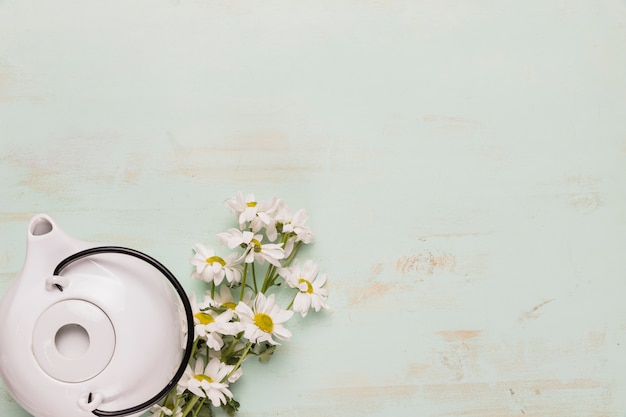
{"x":212,"y":259}
{"x":251,"y":204}
{"x":202,"y":377}
{"x":257,"y":245}
{"x":204,"y":318}
{"x":264,"y":322}
{"x":309,"y":287}
{"x":230,"y":305}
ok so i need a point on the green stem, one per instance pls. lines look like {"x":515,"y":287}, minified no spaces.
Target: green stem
{"x":291,"y":303}
{"x":288,"y":261}
{"x":231,"y":348}
{"x":243,"y":281}
{"x":194,"y":348}
{"x":268,"y":275}
{"x":200,"y":404}
{"x":194,"y":399}
{"x":256,"y":289}
{"x":171,"y":398}
{"x":293,"y":253}
{"x":213,"y":291}
{"x":239,"y":362}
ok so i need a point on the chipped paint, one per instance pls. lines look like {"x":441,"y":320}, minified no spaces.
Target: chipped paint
{"x":534,"y":312}
{"x":515,"y":398}
{"x":586,"y":203}
{"x":458,"y":335}
{"x":371,"y":290}
{"x":428,"y":263}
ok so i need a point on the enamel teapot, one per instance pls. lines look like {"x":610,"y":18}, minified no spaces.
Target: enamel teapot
{"x":91,"y":330}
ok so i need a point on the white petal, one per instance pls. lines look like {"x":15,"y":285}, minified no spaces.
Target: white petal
{"x":320,"y":281}
{"x":247,"y":236}
{"x":281,"y":332}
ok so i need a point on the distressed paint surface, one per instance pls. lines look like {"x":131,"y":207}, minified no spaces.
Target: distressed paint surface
{"x":463,"y":164}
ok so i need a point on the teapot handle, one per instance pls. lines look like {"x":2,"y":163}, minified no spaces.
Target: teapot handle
{"x":188,"y":314}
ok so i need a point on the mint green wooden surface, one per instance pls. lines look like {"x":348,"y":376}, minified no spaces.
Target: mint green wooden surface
{"x":463,"y":163}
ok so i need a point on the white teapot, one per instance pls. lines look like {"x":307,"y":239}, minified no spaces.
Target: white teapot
{"x":91,"y":330}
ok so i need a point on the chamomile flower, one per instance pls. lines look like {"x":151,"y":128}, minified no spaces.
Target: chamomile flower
{"x":206,"y":382}
{"x":212,"y":268}
{"x":235,"y":237}
{"x":281,"y":215}
{"x":310,"y":285}
{"x":202,"y":305}
{"x":257,"y":213}
{"x":264,"y":320}
{"x":297,"y":227}
{"x":254,"y":250}
{"x":225,"y":298}
{"x":293,"y":224}
{"x":270,"y":252}
{"x":211,"y":326}
{"x":292,"y":227}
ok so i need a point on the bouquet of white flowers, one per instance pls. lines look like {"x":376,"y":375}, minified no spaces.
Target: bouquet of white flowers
{"x":240,"y":313}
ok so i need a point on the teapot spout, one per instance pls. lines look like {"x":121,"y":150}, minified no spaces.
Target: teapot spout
{"x":47,"y":245}
{"x":40,"y":225}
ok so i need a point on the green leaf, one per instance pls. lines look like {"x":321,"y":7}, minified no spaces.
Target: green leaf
{"x":231,"y":360}
{"x":205,"y":411}
{"x":266,"y":355}
{"x":231,"y":407}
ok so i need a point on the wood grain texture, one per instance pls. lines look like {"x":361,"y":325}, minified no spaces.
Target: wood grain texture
{"x":463,"y":164}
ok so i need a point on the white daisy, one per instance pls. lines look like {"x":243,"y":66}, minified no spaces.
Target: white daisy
{"x":257,"y":213}
{"x":270,"y":252}
{"x":297,"y":227}
{"x":292,"y":226}
{"x":202,"y":305}
{"x":225,"y":298}
{"x":282,"y":215}
{"x":212,"y":268}
{"x":206,"y":382}
{"x":310,"y":285}
{"x":254,"y":250}
{"x":235,"y":237}
{"x":264,"y":320}
{"x":211,"y":326}
{"x":265,"y":214}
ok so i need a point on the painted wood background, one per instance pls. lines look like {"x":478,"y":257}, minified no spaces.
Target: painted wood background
{"x":463,"y":163}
